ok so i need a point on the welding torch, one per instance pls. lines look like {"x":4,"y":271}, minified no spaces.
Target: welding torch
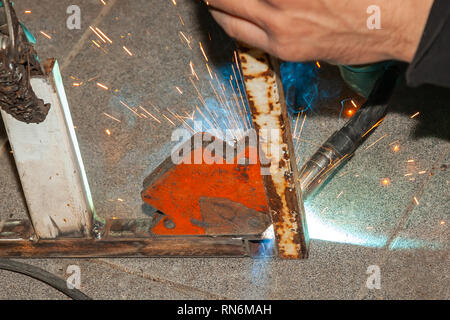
{"x":343,"y":143}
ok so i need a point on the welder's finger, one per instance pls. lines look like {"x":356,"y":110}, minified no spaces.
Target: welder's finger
{"x":242,"y":30}
{"x":255,"y":11}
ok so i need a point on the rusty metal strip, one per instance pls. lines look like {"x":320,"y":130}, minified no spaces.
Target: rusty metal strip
{"x":165,"y":246}
{"x":125,"y":238}
{"x":270,"y":119}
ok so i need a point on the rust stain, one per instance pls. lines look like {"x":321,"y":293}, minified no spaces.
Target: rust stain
{"x":175,"y":189}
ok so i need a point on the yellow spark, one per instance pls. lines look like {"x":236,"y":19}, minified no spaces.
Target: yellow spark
{"x":422,"y":172}
{"x":108,"y":132}
{"x":442,"y":222}
{"x":416,"y":201}
{"x":396,"y":148}
{"x":385,"y":182}
{"x":318,"y":64}
{"x":353,"y":103}
{"x":111,"y":117}
{"x":393,"y":142}
{"x":119,"y":199}
{"x":370,"y":146}
{"x":146,"y":111}
{"x":102,"y":86}
{"x":77,"y":84}
{"x":203,"y":51}
{"x":373,"y":127}
{"x":179,"y":90}
{"x":415,"y":115}
{"x":128,"y":107}
{"x":209,"y":71}
{"x":103,"y":1}
{"x":174,"y":2}
{"x":301,"y":128}
{"x":408,"y":174}
{"x":27,"y":11}
{"x":410,"y":161}
{"x":127,"y":51}
{"x":296,"y":123}
{"x":104,"y":35}
{"x":93,"y":78}
{"x":95,"y":42}
{"x":340,"y":194}
{"x":185,"y":39}
{"x":97,"y":34}
{"x":46,"y":35}
{"x":168,"y":119}
{"x":191,"y":64}
{"x":181,"y":20}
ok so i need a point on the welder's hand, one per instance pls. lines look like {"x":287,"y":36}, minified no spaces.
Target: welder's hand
{"x":330,"y":30}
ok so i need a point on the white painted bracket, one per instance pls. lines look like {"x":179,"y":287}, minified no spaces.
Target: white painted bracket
{"x":50,"y":167}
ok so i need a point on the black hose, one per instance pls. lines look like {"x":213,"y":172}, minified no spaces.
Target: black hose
{"x":43,"y":276}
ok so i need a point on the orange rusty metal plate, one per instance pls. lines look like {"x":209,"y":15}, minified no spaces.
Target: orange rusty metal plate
{"x":177,"y":190}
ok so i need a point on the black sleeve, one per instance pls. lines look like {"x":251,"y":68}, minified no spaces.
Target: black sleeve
{"x":431,"y":63}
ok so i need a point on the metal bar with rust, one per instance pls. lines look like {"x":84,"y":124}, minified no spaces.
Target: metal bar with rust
{"x":270,"y":119}
{"x":127,"y":247}
{"x":124,"y":238}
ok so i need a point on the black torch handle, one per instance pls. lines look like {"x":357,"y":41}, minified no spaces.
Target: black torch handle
{"x":343,"y":143}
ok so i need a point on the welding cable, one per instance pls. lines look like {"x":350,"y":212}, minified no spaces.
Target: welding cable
{"x":43,"y":276}
{"x":343,"y":143}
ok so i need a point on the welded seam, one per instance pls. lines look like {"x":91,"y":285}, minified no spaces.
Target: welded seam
{"x":385,"y":251}
{"x":79,"y":45}
{"x":175,"y":285}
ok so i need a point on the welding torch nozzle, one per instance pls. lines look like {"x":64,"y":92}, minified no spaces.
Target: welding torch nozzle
{"x":343,"y":143}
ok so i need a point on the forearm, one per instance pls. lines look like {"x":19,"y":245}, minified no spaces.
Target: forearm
{"x":331,"y":30}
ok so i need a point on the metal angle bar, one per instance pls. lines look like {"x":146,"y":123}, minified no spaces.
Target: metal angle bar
{"x":270,"y":119}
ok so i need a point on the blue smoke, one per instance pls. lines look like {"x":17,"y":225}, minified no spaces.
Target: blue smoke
{"x":304,"y":88}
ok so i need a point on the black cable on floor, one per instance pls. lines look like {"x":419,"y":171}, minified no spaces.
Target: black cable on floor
{"x":43,"y":276}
